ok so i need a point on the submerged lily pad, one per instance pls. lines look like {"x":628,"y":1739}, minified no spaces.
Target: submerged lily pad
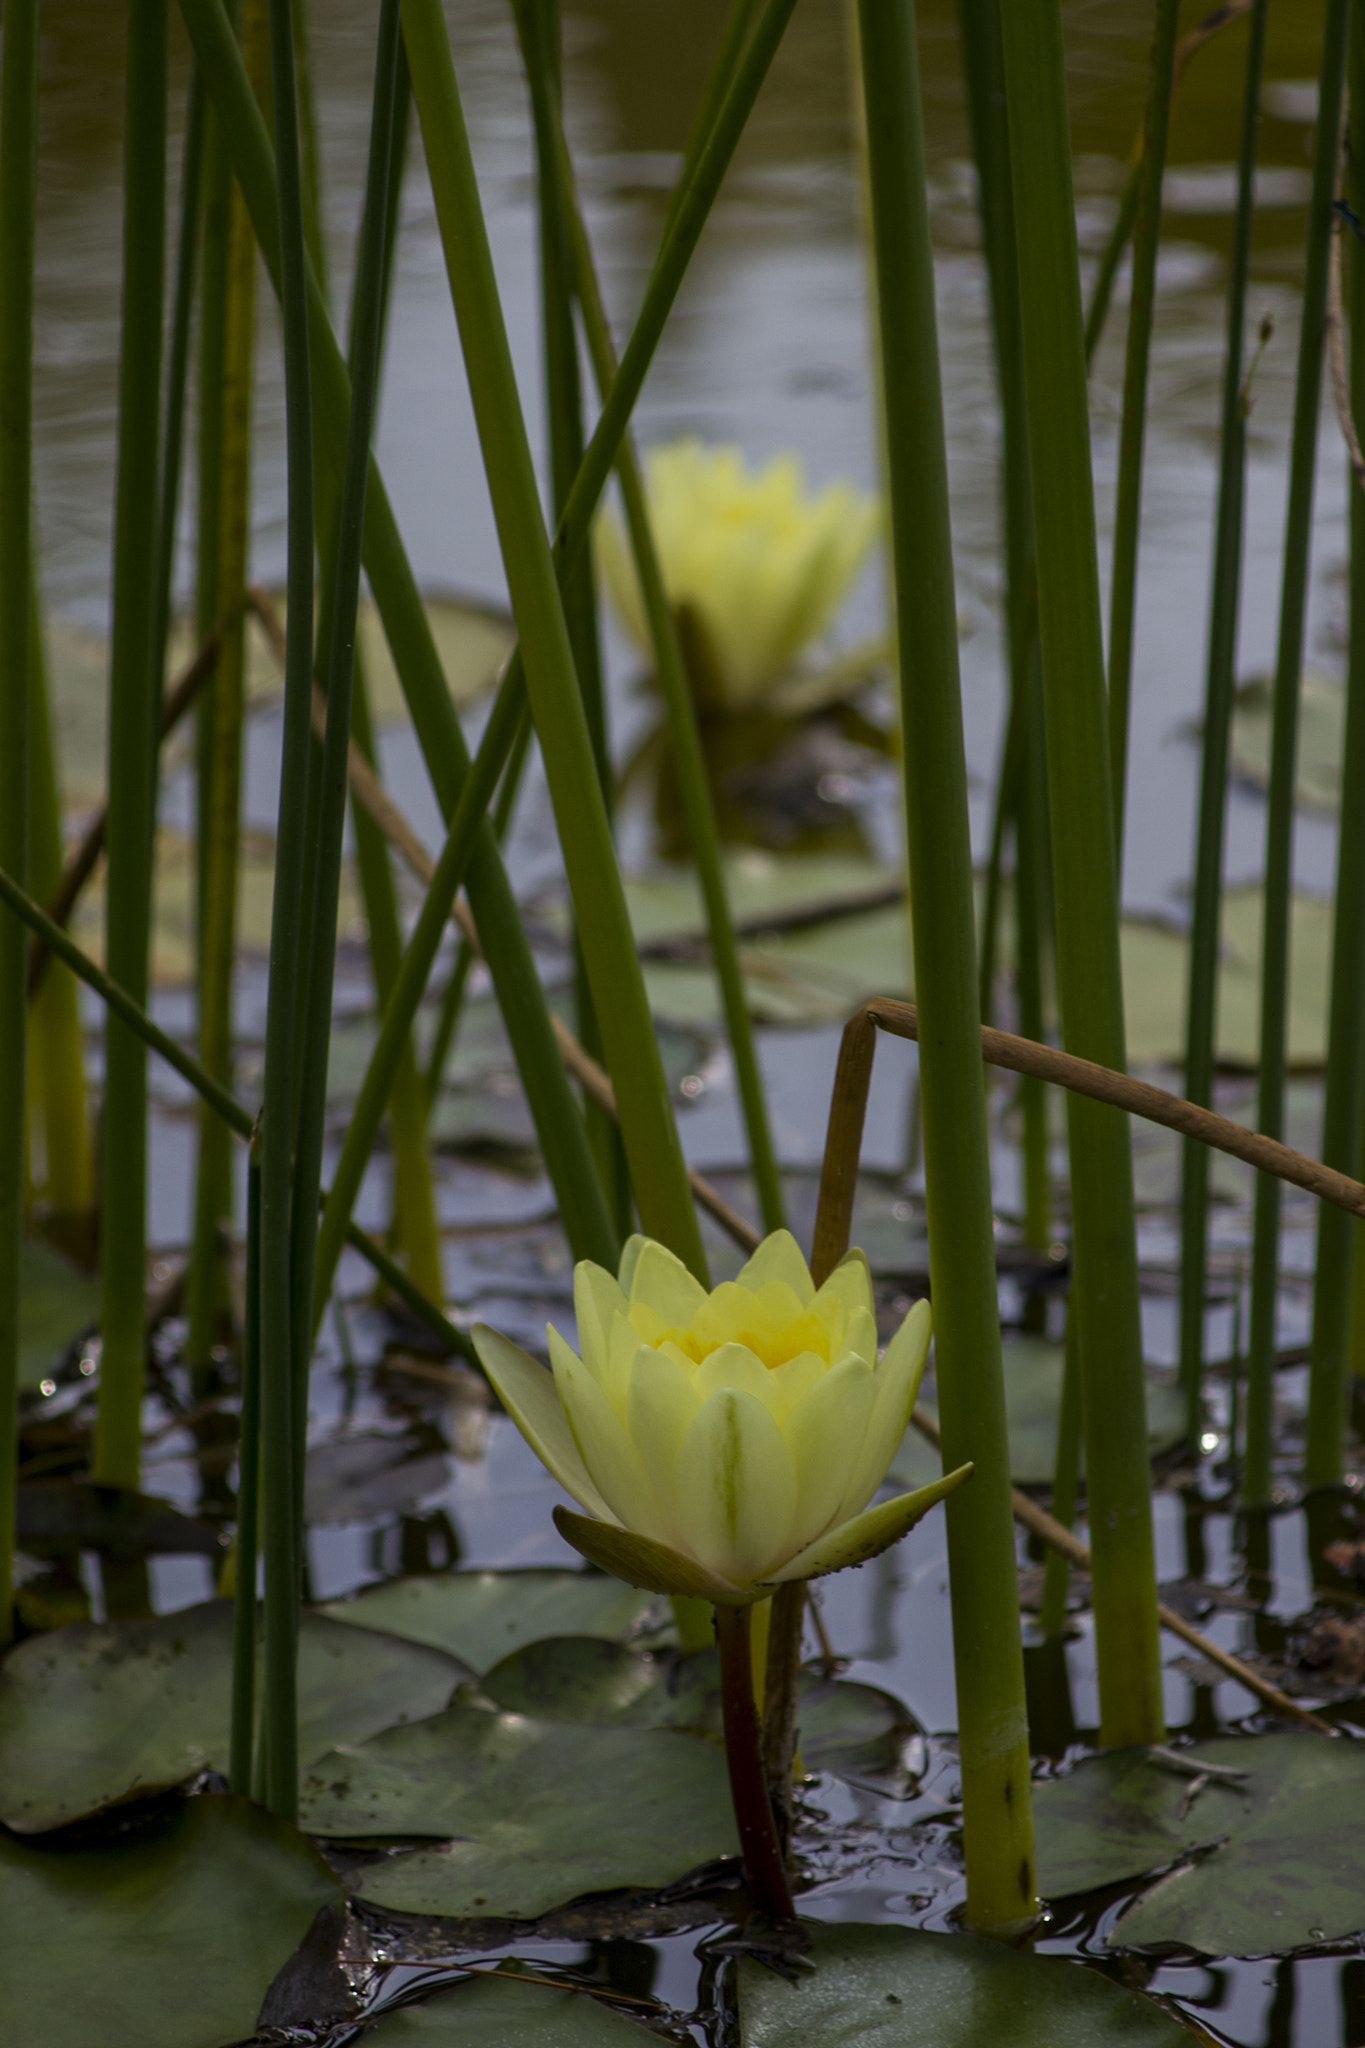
{"x":1033,"y":1396}
{"x":1317,"y":762}
{"x":167,"y":1939}
{"x":481,"y":1617}
{"x":58,"y":1302}
{"x":57,"y":1517}
{"x":366,"y":1476}
{"x":493,"y":2011}
{"x":850,"y":1729}
{"x":895,"y":1987}
{"x":545,"y":1810}
{"x":98,"y":1713}
{"x":1270,"y":1860}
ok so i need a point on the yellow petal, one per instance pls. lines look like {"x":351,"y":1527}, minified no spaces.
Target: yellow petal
{"x":868,"y":1534}
{"x":529,"y":1395}
{"x":791,"y":1382}
{"x":661,"y":1407}
{"x":642,"y":1562}
{"x":860,"y":1335}
{"x":896,"y":1384}
{"x":734,"y":1365}
{"x":736,"y":1486}
{"x":779,"y":1257}
{"x":779,"y":1301}
{"x":665,"y":1283}
{"x":850,"y":1283}
{"x":607,"y":1450}
{"x":597,"y":1300}
{"x":630,"y":1256}
{"x":825,"y":1435}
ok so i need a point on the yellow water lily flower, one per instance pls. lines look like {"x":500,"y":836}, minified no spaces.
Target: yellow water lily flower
{"x":761,"y":565}
{"x":722,"y":1443}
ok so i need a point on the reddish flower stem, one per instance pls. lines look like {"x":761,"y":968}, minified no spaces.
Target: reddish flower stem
{"x":764,"y":1869}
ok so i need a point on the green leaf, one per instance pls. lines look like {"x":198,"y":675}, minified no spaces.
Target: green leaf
{"x":97,"y":1713}
{"x":894,"y":1987}
{"x":57,"y":1302}
{"x":1322,"y":716}
{"x":852,"y":1730}
{"x":161,"y":1940}
{"x":1033,"y":1395}
{"x":1280,"y":1862}
{"x":481,"y":1617}
{"x":545,"y":1810}
{"x":505,"y":2012}
{"x":61,"y":1517}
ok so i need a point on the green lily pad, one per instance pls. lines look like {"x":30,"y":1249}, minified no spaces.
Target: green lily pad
{"x":1322,"y":719}
{"x":366,"y":1476}
{"x":545,"y":1810}
{"x":98,"y":1713}
{"x":1033,"y":1396}
{"x":162,"y":1940}
{"x":895,"y":1987}
{"x":1269,"y":1861}
{"x":58,"y":1301}
{"x":491,"y":2011}
{"x":481,"y":1617}
{"x":850,"y":1729}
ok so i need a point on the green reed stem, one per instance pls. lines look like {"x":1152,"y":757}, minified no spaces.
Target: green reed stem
{"x":247,"y":1540}
{"x":688,"y":759}
{"x":133,"y":729}
{"x":336,"y":746}
{"x":1132,"y":432}
{"x":1343,"y":1106}
{"x":993,"y":1724}
{"x":178,"y":374}
{"x":1033,"y":925}
{"x":56,"y":1059}
{"x":1106,"y":275}
{"x":1084,"y":876}
{"x":279,"y":1364}
{"x":220,"y":819}
{"x":1320,"y":1464}
{"x":658,"y":1172}
{"x":212,"y":341}
{"x":1065,"y":1486}
{"x":1220,"y":678}
{"x":235,"y":1113}
{"x":521,"y":998}
{"x":18,"y":194}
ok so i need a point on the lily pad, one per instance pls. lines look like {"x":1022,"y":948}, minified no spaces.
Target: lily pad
{"x":366,"y":1476}
{"x":850,"y":1729}
{"x":895,"y":1987}
{"x":94,"y":1714}
{"x":57,"y":1517}
{"x":1322,"y":719}
{"x":161,"y":1940}
{"x":1270,"y":1860}
{"x":491,"y":2011}
{"x":58,"y":1302}
{"x":1033,"y":1395}
{"x":545,"y":1810}
{"x":481,"y":1617}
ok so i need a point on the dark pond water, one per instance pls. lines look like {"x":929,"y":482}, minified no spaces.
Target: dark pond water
{"x":769,"y":348}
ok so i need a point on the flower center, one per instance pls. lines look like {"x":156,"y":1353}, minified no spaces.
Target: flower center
{"x":773,"y":1345}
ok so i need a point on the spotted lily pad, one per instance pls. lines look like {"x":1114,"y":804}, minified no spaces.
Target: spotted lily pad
{"x":852,"y":1730}
{"x":895,"y":1987}
{"x":57,"y":1303}
{"x":1033,"y":1395}
{"x":544,"y":1810}
{"x":167,"y":1938}
{"x":98,"y":1713}
{"x":481,"y":1617}
{"x":1269,"y":1860}
{"x":494,"y":2011}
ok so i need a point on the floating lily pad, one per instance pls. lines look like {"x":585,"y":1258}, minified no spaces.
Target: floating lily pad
{"x":895,"y":1987}
{"x":1322,"y":719}
{"x":852,"y":1730}
{"x":545,"y":1810}
{"x":59,"y":1516}
{"x":57,"y":1303}
{"x":364,"y":1477}
{"x":491,"y":2011}
{"x":481,"y":1617}
{"x":160,"y":1940}
{"x":1269,"y":1861}
{"x":1033,"y":1395}
{"x":97,"y":1713}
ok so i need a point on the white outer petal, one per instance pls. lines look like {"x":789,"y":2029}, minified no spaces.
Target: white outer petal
{"x":529,"y":1395}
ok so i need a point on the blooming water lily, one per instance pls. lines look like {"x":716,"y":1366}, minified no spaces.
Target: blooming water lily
{"x":722,"y":1443}
{"x":761,"y":565}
